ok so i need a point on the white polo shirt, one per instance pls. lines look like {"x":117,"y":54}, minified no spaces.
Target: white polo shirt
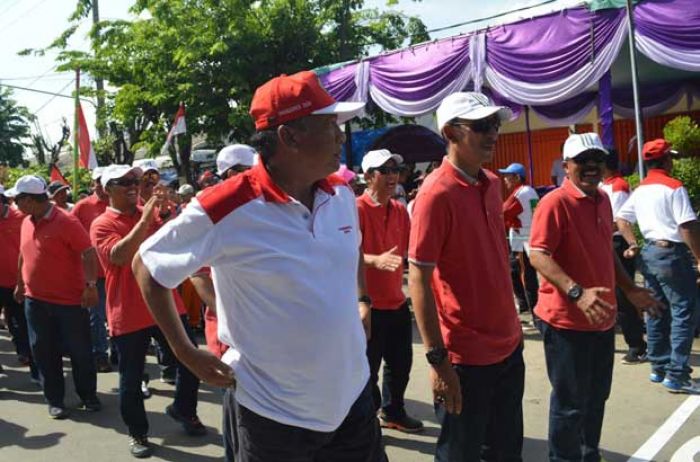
{"x":618,"y":190}
{"x":286,"y":293}
{"x":660,"y":204}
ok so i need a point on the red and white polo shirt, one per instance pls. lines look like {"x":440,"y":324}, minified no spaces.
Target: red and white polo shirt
{"x":286,"y":294}
{"x":618,"y":190}
{"x":660,"y":204}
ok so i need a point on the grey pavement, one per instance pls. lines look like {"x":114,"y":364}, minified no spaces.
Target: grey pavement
{"x":635,"y":411}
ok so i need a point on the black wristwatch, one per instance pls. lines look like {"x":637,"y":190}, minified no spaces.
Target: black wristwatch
{"x":365,"y":299}
{"x":574,"y":293}
{"x":436,"y":355}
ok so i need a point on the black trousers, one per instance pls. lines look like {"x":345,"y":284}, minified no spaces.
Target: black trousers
{"x":392,"y":341}
{"x":490,"y":427}
{"x":629,"y":320}
{"x":526,"y":294}
{"x":16,"y":321}
{"x":258,"y":439}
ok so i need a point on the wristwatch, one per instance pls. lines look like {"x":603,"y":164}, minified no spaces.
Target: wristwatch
{"x":90,"y":284}
{"x":574,"y":293}
{"x":436,"y":355}
{"x":365,"y":299}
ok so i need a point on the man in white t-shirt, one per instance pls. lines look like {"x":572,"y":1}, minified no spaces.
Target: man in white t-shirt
{"x":662,"y":208}
{"x":517,"y":215}
{"x":283,"y":244}
{"x":558,"y":174}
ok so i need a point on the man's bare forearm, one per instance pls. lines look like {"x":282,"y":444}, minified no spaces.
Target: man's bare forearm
{"x":622,"y":279}
{"x":160,"y":303}
{"x":625,"y":228}
{"x":690,"y":233}
{"x":424,"y":305}
{"x":123,"y":251}
{"x":90,"y":264}
{"x":205,"y":289}
{"x":550,"y":270}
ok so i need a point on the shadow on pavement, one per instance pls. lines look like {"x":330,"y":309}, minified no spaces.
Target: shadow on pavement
{"x":15,"y":435}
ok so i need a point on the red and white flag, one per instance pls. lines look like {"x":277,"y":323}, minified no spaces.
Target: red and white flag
{"x":87,"y":153}
{"x":56,"y":175}
{"x":178,"y":128}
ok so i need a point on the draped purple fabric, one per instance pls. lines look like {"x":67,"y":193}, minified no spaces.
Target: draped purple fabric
{"x":550,"y":47}
{"x":340,"y":83}
{"x":417,"y":73}
{"x":605,"y":110}
{"x":674,"y":23}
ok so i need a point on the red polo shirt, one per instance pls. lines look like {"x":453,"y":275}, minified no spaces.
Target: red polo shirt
{"x":86,"y":211}
{"x":10,"y":229}
{"x":382,"y":229}
{"x":576,"y":230}
{"x":126,"y":310}
{"x":52,"y":247}
{"x":457,"y":227}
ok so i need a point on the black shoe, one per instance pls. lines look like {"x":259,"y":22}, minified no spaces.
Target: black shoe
{"x":634,"y":357}
{"x":58,"y":412}
{"x":406,"y":424}
{"x":102,"y":364}
{"x":192,"y":425}
{"x":91,"y":404}
{"x":139,"y":447}
{"x":168,"y":377}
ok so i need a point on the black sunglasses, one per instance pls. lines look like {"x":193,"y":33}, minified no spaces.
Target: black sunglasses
{"x":125,"y":182}
{"x":481,"y":125}
{"x":385,"y":169}
{"x":584,"y":158}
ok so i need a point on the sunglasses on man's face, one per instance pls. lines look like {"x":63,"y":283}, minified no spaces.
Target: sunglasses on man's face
{"x":125,"y":182}
{"x":586,"y":157}
{"x":385,"y":169}
{"x":481,"y":125}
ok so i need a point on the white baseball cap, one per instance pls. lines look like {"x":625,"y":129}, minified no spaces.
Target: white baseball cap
{"x":116,"y":171}
{"x":374,"y":159}
{"x":97,"y":173}
{"x":185,"y":189}
{"x":28,"y":184}
{"x":146,"y":165}
{"x":235,"y":154}
{"x":579,"y":143}
{"x":469,"y":105}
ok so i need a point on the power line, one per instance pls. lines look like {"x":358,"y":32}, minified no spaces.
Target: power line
{"x":12,"y":5}
{"x":59,"y":95}
{"x":54,"y":96}
{"x":6,"y":26}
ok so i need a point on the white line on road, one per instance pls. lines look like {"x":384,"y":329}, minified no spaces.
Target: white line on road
{"x":666,"y":431}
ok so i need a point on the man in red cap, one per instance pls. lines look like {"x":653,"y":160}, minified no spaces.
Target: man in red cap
{"x":662,"y":208}
{"x":283,"y":244}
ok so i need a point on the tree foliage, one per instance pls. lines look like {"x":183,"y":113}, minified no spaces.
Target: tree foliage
{"x":684,"y":133}
{"x":212,"y":54}
{"x":14,"y":129}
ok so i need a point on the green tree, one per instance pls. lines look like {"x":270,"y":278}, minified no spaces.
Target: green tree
{"x":212,"y":54}
{"x":14,"y":129}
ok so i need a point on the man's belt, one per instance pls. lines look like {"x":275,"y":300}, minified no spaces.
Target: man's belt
{"x":665,"y":244}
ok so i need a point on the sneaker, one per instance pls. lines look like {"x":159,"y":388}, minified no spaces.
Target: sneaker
{"x":102,"y":364}
{"x":406,"y":424}
{"x":145,"y":391}
{"x":686,"y":387}
{"x":92,"y":404}
{"x":192,"y":425}
{"x":633,"y":357}
{"x":58,"y":412}
{"x":139,"y":447}
{"x":656,"y":377}
{"x":2,"y":372}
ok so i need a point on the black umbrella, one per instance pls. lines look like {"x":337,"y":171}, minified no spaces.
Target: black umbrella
{"x":415,"y":143}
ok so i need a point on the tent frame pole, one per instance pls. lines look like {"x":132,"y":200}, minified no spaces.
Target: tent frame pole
{"x":635,"y":89}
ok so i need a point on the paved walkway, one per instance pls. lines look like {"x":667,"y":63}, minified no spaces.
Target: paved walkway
{"x":635,"y":412}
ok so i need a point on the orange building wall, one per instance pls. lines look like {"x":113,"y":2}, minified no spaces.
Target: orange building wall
{"x":546,"y":144}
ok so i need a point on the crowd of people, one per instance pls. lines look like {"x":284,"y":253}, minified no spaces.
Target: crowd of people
{"x":301,"y":269}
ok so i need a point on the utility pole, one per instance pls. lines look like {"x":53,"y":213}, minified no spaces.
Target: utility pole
{"x":99,"y":83}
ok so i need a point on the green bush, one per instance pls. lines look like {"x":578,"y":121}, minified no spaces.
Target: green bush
{"x":684,"y":134}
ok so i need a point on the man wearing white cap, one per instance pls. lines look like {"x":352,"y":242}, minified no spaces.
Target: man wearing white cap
{"x":385,"y":226}
{"x":283,"y":243}
{"x":234,"y":159}
{"x":571,"y":247}
{"x":116,"y":234}
{"x":460,"y":286}
{"x":86,"y":211}
{"x":57,"y":280}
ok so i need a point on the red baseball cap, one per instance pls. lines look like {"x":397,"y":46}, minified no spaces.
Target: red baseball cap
{"x":656,"y":149}
{"x":291,"y":97}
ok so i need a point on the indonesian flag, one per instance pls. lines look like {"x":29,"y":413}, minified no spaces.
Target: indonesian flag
{"x":87,"y":153}
{"x":178,"y":128}
{"x":56,"y":175}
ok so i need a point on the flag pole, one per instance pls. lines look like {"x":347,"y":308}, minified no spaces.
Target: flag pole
{"x":76,"y":130}
{"x":635,"y":90}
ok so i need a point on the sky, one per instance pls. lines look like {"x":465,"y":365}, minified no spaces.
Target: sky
{"x":35,"y":23}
